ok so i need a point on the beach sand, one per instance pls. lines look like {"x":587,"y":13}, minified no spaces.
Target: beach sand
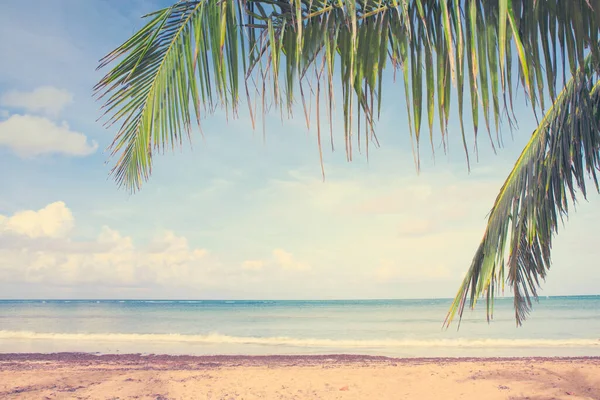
{"x":84,"y":376}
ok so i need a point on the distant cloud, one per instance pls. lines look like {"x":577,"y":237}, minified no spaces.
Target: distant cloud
{"x":30,"y":136}
{"x":54,"y":220}
{"x":46,"y":100}
{"x":280,"y":260}
{"x":110,"y":259}
{"x":287,"y":261}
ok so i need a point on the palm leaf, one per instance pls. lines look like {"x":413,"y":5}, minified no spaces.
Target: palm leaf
{"x":186,"y":60}
{"x":534,"y":198}
{"x":151,"y":89}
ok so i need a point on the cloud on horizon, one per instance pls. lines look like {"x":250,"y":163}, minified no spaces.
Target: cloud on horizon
{"x":40,"y":247}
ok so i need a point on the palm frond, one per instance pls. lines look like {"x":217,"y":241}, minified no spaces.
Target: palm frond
{"x":562,"y":152}
{"x":188,"y":59}
{"x":172,"y":68}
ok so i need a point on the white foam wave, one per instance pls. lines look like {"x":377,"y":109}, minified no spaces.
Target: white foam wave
{"x":216,"y":338}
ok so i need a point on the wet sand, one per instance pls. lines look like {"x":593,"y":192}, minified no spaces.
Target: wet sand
{"x":86,"y":376}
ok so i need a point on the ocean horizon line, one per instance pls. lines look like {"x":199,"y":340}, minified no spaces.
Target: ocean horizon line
{"x":278,"y":300}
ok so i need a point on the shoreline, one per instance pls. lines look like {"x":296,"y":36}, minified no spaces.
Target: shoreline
{"x":308,"y":359}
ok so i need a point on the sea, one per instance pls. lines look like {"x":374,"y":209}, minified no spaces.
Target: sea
{"x":558,"y":326}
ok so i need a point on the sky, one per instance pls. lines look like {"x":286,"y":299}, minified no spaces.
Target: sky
{"x":233,"y":217}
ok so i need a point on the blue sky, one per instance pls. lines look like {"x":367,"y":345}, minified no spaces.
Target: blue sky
{"x":234,"y":217}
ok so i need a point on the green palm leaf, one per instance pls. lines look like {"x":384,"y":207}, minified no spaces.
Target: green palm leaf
{"x":534,"y":198}
{"x":190,"y":56}
{"x":154,"y":89}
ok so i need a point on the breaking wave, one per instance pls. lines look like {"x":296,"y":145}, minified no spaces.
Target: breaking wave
{"x":215,"y":339}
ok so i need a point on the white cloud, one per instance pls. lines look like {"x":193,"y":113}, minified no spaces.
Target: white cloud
{"x":47,"y":100}
{"x":39,"y":249}
{"x":280,"y":260}
{"x":30,"y":136}
{"x":54,"y":220}
{"x":49,"y":256}
{"x":287,"y":261}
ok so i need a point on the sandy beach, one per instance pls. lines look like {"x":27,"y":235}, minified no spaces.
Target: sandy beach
{"x":85,"y":376}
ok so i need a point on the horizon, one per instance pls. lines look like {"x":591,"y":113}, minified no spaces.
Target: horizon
{"x":280,"y":300}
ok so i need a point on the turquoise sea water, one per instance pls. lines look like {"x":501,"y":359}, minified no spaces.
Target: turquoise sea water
{"x":558,"y":326}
